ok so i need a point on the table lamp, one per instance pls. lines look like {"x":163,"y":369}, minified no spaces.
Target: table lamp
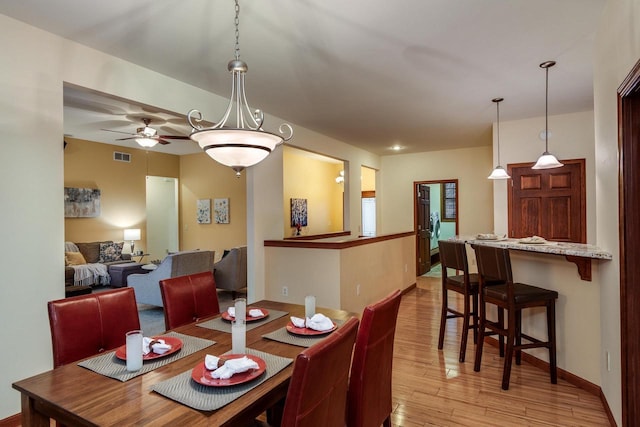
{"x":132,"y":234}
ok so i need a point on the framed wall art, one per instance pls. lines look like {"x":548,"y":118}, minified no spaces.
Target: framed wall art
{"x":298,"y":212}
{"x":81,"y":202}
{"x":204,"y":211}
{"x":221,"y":211}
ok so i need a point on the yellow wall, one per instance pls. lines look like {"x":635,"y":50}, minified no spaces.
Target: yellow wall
{"x":368,"y":179}
{"x":314,"y":180}
{"x":122,"y":187}
{"x":203,"y":178}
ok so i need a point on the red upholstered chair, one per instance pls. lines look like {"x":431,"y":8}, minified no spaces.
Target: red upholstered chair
{"x":369,"y":397}
{"x":188,"y":298}
{"x":85,"y":325}
{"x":317,"y":395}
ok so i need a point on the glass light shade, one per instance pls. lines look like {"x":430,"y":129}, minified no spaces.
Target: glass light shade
{"x":547,"y":161}
{"x":131,"y":234}
{"x":147,"y":142}
{"x":499,"y":173}
{"x":236,"y":148}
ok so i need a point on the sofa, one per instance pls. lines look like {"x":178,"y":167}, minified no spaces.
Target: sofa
{"x":147,"y":286}
{"x":231,"y":271}
{"x":87,"y":264}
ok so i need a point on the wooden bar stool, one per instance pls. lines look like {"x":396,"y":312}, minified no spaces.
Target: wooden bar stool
{"x":513,"y":297}
{"x":454,"y":255}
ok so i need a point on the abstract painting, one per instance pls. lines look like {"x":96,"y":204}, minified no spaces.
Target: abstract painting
{"x":204,"y":211}
{"x":221,"y":211}
{"x":298,"y":212}
{"x":81,"y":202}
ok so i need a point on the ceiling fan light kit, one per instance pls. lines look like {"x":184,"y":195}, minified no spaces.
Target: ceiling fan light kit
{"x":498,"y":172}
{"x":242,"y":142}
{"x":547,"y":160}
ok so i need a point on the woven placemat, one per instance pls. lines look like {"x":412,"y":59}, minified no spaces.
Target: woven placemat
{"x":282,"y":335}
{"x":219,"y":324}
{"x":183,"y":389}
{"x":110,"y":366}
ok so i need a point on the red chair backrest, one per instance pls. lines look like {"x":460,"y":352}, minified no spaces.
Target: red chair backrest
{"x":369,"y":400}
{"x":189,"y":298}
{"x":90,"y":324}
{"x":317,"y":394}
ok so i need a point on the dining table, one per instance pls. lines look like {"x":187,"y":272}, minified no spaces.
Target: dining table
{"x":77,"y":394}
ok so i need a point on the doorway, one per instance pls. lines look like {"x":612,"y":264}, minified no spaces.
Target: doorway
{"x":435,"y":218}
{"x":162,"y":216}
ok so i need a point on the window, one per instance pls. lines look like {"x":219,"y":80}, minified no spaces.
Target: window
{"x":449,"y":201}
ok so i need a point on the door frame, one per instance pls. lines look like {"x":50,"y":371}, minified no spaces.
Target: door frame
{"x":628,"y":232}
{"x":415,"y":209}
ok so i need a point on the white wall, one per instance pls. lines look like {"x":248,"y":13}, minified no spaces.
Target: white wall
{"x":617,"y":50}
{"x":470,"y":166}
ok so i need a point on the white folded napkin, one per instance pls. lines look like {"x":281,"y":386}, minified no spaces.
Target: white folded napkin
{"x":256,"y":312}
{"x":298,"y":322}
{"x":231,"y":311}
{"x":159,"y":347}
{"x":234,"y":366}
{"x":211,"y":362}
{"x":319,"y":322}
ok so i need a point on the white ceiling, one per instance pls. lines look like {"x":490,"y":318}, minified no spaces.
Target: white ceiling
{"x":372,"y":73}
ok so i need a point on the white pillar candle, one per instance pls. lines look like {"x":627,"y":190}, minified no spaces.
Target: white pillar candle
{"x":238,"y":336}
{"x":241,"y":309}
{"x":134,"y":350}
{"x":309,"y":306}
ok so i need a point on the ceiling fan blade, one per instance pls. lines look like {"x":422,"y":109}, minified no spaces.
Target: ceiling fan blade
{"x":117,"y":131}
{"x":173,"y":136}
{"x":124,"y":139}
{"x":163,"y":141}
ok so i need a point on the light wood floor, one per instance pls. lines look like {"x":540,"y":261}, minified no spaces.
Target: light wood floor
{"x":431,"y":388}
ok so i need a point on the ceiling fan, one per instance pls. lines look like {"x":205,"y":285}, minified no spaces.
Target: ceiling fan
{"x":147,"y":136}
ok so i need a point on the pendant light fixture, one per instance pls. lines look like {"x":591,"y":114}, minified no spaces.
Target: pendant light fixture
{"x":237,"y":140}
{"x":547,"y":160}
{"x":498,"y":172}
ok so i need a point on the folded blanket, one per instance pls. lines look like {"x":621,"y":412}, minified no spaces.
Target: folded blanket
{"x":91,"y":274}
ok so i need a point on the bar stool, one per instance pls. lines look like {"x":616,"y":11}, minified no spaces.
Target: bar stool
{"x":513,"y":297}
{"x":454,"y":255}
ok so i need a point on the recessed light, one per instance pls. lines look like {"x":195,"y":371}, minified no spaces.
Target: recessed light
{"x":396,"y":147}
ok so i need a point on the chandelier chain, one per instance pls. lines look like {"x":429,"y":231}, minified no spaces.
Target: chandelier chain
{"x":237,"y":24}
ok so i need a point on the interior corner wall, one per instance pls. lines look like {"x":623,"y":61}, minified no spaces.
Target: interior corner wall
{"x":201,"y":177}
{"x":469,"y":166}
{"x":617,"y":51}
{"x":122,"y":188}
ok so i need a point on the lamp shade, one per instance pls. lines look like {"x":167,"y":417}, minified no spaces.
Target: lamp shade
{"x":499,"y":173}
{"x":147,"y":142}
{"x":547,"y":161}
{"x":131,"y":234}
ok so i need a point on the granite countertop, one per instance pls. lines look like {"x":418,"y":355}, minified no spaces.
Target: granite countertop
{"x":549,"y":247}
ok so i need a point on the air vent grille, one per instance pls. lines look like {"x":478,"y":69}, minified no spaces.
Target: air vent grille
{"x":121,"y":157}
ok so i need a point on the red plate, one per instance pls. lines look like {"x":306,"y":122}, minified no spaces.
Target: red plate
{"x":227,"y":316}
{"x":202,"y":375}
{"x":175,"y":343}
{"x":307,"y":331}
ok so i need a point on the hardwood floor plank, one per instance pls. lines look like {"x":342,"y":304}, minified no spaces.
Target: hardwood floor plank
{"x":432,"y":388}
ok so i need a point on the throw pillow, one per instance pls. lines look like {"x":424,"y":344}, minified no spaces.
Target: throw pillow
{"x":110,"y":252}
{"x":74,"y":258}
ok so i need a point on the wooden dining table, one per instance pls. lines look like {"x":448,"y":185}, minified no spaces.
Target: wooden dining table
{"x":75,"y":395}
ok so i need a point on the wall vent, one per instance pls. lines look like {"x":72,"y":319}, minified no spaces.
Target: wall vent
{"x":121,"y":157}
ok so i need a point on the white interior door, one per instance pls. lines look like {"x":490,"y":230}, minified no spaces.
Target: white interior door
{"x":162,"y":216}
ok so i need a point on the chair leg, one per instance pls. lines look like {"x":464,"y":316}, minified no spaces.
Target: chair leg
{"x":466,"y":316}
{"x":501,"y":325}
{"x":387,"y":422}
{"x":551,"y":331}
{"x":518,"y":337}
{"x":483,"y":319}
{"x":443,"y":317}
{"x":511,"y":335}
{"x":474,"y":301}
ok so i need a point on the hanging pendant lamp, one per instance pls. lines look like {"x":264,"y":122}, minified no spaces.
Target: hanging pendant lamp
{"x":498,"y":172}
{"x":246,"y":143}
{"x":547,"y":160}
